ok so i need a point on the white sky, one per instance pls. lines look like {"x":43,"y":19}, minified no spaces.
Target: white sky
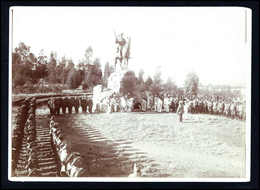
{"x":208,"y":41}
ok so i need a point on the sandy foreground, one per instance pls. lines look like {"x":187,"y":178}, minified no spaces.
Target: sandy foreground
{"x":202,"y":146}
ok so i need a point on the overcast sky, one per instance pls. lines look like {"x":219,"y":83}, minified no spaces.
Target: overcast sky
{"x":213,"y":42}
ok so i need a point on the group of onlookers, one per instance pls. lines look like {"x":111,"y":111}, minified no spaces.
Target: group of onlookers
{"x":226,"y":106}
{"x":229,"y":107}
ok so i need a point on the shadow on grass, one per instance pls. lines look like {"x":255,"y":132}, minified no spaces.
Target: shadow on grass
{"x":102,"y":157}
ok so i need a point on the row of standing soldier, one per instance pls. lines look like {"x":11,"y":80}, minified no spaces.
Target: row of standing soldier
{"x":58,"y":104}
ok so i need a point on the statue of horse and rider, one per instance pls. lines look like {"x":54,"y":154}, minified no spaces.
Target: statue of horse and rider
{"x":123,"y":50}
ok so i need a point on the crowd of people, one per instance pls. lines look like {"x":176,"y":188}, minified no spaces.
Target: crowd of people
{"x":225,"y":106}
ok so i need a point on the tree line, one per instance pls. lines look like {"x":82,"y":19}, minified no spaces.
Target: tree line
{"x":136,"y":85}
{"x":32,"y":73}
{"x":30,"y":70}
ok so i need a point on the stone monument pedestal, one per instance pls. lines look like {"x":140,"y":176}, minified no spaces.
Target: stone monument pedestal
{"x":114,"y":80}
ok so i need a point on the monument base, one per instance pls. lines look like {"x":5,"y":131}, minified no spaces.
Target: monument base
{"x":113,"y":86}
{"x":114,"y":80}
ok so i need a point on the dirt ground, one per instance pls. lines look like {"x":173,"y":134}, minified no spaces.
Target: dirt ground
{"x":201,"y":146}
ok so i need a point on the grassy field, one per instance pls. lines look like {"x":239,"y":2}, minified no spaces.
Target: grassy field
{"x":201,"y":146}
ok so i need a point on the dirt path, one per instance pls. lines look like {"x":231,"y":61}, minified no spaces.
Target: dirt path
{"x":203,"y":146}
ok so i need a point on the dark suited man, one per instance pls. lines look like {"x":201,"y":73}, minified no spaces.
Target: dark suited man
{"x":76,"y":104}
{"x":84,"y":104}
{"x":57,"y":105}
{"x":63,"y":105}
{"x":89,"y":105}
{"x":70,"y":104}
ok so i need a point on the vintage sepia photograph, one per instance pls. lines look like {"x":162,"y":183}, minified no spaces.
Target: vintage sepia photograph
{"x":129,"y":93}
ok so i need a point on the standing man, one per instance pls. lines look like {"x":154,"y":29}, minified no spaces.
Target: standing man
{"x":159,"y":104}
{"x":51,"y":106}
{"x":57,"y":104}
{"x":156,"y":103}
{"x":63,"y":105}
{"x":167,"y":103}
{"x":180,"y":110}
{"x":90,"y":105}
{"x":76,"y":104}
{"x":84,"y":104}
{"x":122,"y":104}
{"x":70,"y":104}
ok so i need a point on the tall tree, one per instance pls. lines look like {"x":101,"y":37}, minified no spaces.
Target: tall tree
{"x":52,"y":69}
{"x":156,"y":87}
{"x":148,"y":83}
{"x":69,"y":72}
{"x":141,"y":77}
{"x":140,"y":83}
{"x":22,"y":65}
{"x":129,"y":84}
{"x":96,"y":72}
{"x":60,"y":71}
{"x":170,"y":87}
{"x":93,"y":74}
{"x":191,"y":84}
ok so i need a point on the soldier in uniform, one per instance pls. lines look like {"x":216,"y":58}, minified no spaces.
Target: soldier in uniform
{"x":113,"y":103}
{"x":201,"y":106}
{"x":240,"y":110}
{"x":191,"y":107}
{"x":176,"y":102}
{"x":63,"y":105}
{"x":233,"y":110}
{"x":166,"y":103}
{"x":210,"y":107}
{"x":84,"y":104}
{"x":159,"y":104}
{"x":122,"y":104}
{"x":57,"y":104}
{"x":66,"y":102}
{"x":244,"y":110}
{"x":155,"y":103}
{"x":172,"y":105}
{"x":196,"y":106}
{"x":70,"y":104}
{"x":76,"y":104}
{"x":90,"y":105}
{"x":227,"y":109}
{"x":205,"y":106}
{"x":221,"y":107}
{"x":180,"y":110}
{"x":117,"y":104}
{"x":215,"y":107}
